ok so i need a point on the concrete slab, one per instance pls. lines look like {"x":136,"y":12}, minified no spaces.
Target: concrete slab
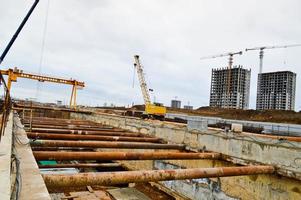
{"x":33,"y":186}
{"x":5,"y":161}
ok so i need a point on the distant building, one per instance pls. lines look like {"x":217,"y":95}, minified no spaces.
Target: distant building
{"x":59,"y":102}
{"x":276,"y":90}
{"x":187,"y":107}
{"x":175,"y":104}
{"x":234,"y":96}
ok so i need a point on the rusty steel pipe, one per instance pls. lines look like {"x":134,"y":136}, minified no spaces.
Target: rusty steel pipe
{"x":25,"y":122}
{"x":61,"y":149}
{"x":105,"y":132}
{"x":53,"y":136}
{"x":56,"y":128}
{"x":69,"y":127}
{"x":114,"y":178}
{"x":105,"y":156}
{"x":43,"y":125}
{"x":103,"y":144}
{"x":60,"y":120}
{"x":82,"y":165}
{"x":57,"y":120}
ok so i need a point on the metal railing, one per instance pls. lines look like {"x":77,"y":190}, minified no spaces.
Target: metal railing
{"x":5,"y":105}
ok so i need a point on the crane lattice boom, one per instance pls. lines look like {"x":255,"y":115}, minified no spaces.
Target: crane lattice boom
{"x":143,"y":85}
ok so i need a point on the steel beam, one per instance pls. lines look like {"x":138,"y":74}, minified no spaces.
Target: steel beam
{"x":114,"y":178}
{"x":53,"y":136}
{"x":50,"y":155}
{"x":103,"y":144}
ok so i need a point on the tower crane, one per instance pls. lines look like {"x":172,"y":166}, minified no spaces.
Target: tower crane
{"x":152,"y":110}
{"x":14,"y":74}
{"x":261,"y":52}
{"x":230,"y":63}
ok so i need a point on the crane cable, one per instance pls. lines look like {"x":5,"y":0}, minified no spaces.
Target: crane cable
{"x":42,"y":47}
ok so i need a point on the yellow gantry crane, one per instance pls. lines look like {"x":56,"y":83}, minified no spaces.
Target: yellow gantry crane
{"x":14,"y":74}
{"x":152,"y":110}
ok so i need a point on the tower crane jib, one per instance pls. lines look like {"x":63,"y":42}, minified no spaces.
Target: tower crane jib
{"x":261,"y":52}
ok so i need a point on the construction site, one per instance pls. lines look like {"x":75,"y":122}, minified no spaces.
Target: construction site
{"x":223,"y":151}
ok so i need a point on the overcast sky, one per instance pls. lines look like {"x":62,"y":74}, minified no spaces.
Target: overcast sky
{"x":94,"y":41}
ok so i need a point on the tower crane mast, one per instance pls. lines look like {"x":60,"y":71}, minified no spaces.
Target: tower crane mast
{"x":230,"y":63}
{"x":261,"y":52}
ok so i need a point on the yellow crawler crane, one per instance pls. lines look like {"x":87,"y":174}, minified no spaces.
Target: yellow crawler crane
{"x":152,"y":110}
{"x":14,"y":74}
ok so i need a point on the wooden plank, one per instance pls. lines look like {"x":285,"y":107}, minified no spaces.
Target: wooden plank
{"x":86,"y":195}
{"x":127,"y":194}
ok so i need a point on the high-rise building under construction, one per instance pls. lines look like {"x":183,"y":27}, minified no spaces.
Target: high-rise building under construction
{"x":276,"y":90}
{"x":230,"y":89}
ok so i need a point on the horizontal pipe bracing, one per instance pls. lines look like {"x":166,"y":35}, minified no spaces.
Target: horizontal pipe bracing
{"x":114,"y":178}
{"x":60,"y":129}
{"x":80,"y":132}
{"x":105,"y":156}
{"x":25,"y":121}
{"x":51,"y":121}
{"x":71,"y":127}
{"x":53,"y":136}
{"x":104,"y":144}
{"x":82,"y":165}
{"x":55,"y":124}
{"x":58,"y":120}
{"x":62,"y":149}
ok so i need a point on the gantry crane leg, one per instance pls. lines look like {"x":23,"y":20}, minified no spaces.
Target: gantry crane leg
{"x":73,"y":97}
